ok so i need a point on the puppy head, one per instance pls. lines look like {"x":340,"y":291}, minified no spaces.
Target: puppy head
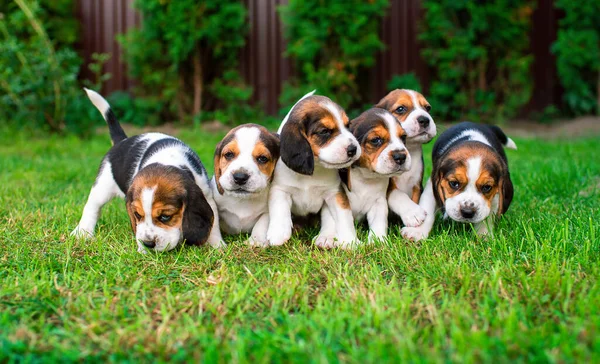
{"x":412,"y":109}
{"x":245,"y":160}
{"x":166,"y":206}
{"x":316,"y":130}
{"x":381,"y":139}
{"x":471,"y":181}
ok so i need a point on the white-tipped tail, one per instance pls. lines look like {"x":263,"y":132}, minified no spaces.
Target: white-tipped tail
{"x":98,"y":101}
{"x":289,"y":112}
{"x":510,"y":144}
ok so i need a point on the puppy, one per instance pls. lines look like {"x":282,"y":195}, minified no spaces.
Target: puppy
{"x":165,"y":185}
{"x":244,"y":164}
{"x":412,"y":110}
{"x":315,"y":143}
{"x":470,"y":180}
{"x":384,"y":155}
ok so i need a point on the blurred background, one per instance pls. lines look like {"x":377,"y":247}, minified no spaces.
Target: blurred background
{"x":191,"y":62}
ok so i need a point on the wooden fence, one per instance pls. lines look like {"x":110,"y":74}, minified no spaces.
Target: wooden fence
{"x":265,"y":67}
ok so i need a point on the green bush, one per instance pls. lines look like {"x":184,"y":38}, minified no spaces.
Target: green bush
{"x":577,"y":50}
{"x":479,"y":57}
{"x":39,"y":68}
{"x":331,"y":43}
{"x":182,"y":48}
{"x":407,"y":81}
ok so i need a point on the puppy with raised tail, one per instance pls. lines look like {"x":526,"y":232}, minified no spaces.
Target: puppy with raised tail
{"x":315,"y":144}
{"x":470,"y":180}
{"x":165,"y":185}
{"x":382,"y":140}
{"x":244,"y":165}
{"x":412,"y":110}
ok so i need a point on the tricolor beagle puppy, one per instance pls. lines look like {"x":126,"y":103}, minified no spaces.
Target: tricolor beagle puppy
{"x":470,"y":180}
{"x":315,"y":144}
{"x":412,"y":110}
{"x":244,"y":164}
{"x":384,"y":155}
{"x":165,"y":185}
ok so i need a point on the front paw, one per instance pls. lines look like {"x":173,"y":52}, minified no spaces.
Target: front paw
{"x":81,"y":233}
{"x":217,"y":244}
{"x":348,"y":244}
{"x":278,"y":236}
{"x":373,"y":238}
{"x":256,"y":242}
{"x":325,"y":241}
{"x":414,"y":233}
{"x":414,"y":216}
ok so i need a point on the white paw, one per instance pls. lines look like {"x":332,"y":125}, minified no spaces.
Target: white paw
{"x":141,"y":249}
{"x":325,"y":242}
{"x":414,"y":233}
{"x":413,"y":216}
{"x":218,"y":244}
{"x":81,"y":233}
{"x":348,"y":245}
{"x":373,"y":238}
{"x":256,"y":242}
{"x":279,"y":236}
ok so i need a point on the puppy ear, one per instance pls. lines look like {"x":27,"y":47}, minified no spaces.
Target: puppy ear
{"x":438,"y":191}
{"x":295,"y":149}
{"x":506,"y":192}
{"x":129,"y":205}
{"x":217,"y":163}
{"x":345,"y":177}
{"x":198,"y":216}
{"x":386,"y":102}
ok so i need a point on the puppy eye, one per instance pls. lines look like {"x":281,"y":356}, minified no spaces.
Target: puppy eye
{"x":401,"y":109}
{"x":137,"y":216}
{"x":376,"y":141}
{"x":164,"y":218}
{"x":229,"y":155}
{"x":403,"y":138}
{"x":454,"y":184}
{"x":428,"y":108}
{"x":324,"y":132}
{"x":486,"y":188}
{"x":262,"y":159}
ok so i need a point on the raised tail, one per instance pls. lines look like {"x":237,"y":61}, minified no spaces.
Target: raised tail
{"x":116,"y":131}
{"x":506,"y":141}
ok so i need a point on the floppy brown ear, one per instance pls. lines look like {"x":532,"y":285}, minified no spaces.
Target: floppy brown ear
{"x":345,"y":177}
{"x":128,"y":204}
{"x":198,"y":216}
{"x":386,"y":102}
{"x":217,"y":163}
{"x":438,"y":192}
{"x":506,"y":192}
{"x":295,"y":149}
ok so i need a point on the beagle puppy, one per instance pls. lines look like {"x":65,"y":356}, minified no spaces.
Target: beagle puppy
{"x":412,"y":110}
{"x":384,"y":155}
{"x":244,"y":164}
{"x":315,"y":144}
{"x":470,"y":180}
{"x":166,"y":188}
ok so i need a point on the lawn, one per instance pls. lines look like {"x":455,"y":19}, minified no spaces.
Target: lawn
{"x":531,"y":293}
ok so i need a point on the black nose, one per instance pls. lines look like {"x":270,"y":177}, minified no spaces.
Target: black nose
{"x":241,"y":178}
{"x":149,"y":244}
{"x":423,"y":121}
{"x":399,"y":157}
{"x":467,"y":212}
{"x":352,"y":150}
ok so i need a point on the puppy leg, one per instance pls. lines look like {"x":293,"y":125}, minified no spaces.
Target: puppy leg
{"x":410,"y":212}
{"x":214,"y":238}
{"x":377,"y":217}
{"x":326,"y":237}
{"x":339,"y":205}
{"x":429,"y":205}
{"x":105,"y":189}
{"x":486,"y":226}
{"x":280,"y":217}
{"x":259,"y":232}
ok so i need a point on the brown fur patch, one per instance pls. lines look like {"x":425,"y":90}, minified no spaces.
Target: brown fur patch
{"x":398,"y":98}
{"x":416,"y":193}
{"x":391,"y":186}
{"x":260,"y":149}
{"x":317,"y":117}
{"x":370,"y":153}
{"x":342,"y":200}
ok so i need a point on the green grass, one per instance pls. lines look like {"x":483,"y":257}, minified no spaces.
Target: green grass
{"x":530,"y":293}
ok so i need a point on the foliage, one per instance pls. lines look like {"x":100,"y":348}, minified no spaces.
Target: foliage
{"x":528,"y":294}
{"x":479,"y":57}
{"x":577,"y":50}
{"x":181,"y":48}
{"x":39,"y":68}
{"x":407,"y":81}
{"x":331,"y":43}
